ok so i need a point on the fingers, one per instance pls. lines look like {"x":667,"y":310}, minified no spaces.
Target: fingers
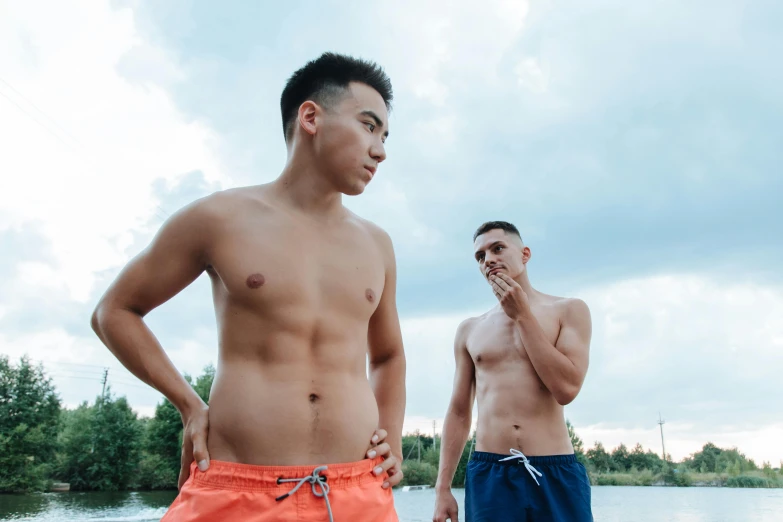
{"x":379,"y":436}
{"x":200,"y":453}
{"x":496,"y":289}
{"x":391,"y":466}
{"x":395,"y":477}
{"x":384,"y":450}
{"x":385,"y":465}
{"x":502,"y":282}
{"x":185,"y":460}
{"x":447,"y":514}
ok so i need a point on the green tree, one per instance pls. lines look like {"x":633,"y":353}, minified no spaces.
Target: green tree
{"x":462,"y":467}
{"x":620,"y":458}
{"x":162,"y":448}
{"x":162,"y":443}
{"x":29,"y":410}
{"x":640,"y":459}
{"x":203,"y":385}
{"x":706,"y":460}
{"x":599,"y":459}
{"x":417,"y":473}
{"x":577,"y":443}
{"x":100,"y":445}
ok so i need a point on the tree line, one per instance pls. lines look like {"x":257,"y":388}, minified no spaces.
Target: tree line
{"x":106,"y":446}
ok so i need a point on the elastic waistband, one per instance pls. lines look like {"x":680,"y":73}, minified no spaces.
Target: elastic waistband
{"x":540,"y":460}
{"x":247,"y":477}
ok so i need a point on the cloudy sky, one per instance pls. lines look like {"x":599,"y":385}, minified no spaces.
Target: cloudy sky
{"x":633,"y":144}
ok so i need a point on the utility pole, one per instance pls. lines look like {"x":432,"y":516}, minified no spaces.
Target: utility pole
{"x":661,"y":423}
{"x":105,"y":378}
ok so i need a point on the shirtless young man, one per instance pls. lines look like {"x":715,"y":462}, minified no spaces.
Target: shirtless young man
{"x":304,"y":291}
{"x":523,"y":360}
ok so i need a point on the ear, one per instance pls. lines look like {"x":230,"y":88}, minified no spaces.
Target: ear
{"x":526,"y":255}
{"x":307,"y":116}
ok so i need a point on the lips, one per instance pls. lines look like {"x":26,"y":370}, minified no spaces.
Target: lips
{"x":494,"y":270}
{"x":371,"y":170}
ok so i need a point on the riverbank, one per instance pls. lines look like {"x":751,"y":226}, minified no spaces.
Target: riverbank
{"x":750,"y":479}
{"x":609,"y":504}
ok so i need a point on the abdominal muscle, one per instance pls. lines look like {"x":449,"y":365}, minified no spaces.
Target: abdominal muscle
{"x":515,"y":411}
{"x":289,"y":413}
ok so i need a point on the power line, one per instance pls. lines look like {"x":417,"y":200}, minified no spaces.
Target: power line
{"x":34,"y":119}
{"x":59,"y":127}
{"x":42,"y":112}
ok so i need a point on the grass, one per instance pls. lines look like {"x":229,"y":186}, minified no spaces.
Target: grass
{"x":748,"y":479}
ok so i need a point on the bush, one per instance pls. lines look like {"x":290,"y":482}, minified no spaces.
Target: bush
{"x":744,"y":481}
{"x":676,"y":476}
{"x":417,"y":473}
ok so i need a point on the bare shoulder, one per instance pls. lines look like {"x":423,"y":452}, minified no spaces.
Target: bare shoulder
{"x":573,"y":313}
{"x":465,"y":328}
{"x":224,"y":203}
{"x":574,"y":308}
{"x":379,"y":236}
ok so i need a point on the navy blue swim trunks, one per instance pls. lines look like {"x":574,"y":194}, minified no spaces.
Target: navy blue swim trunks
{"x":515,"y":488}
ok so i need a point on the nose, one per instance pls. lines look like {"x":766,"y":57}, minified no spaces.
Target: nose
{"x":378,"y":151}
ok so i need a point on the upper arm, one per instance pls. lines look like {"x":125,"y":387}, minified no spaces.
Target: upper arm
{"x":176,"y":256}
{"x":464,"y":388}
{"x":384,"y":335}
{"x":575,"y":334}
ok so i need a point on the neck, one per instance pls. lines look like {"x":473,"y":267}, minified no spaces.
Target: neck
{"x":304,"y":187}
{"x":523,"y":281}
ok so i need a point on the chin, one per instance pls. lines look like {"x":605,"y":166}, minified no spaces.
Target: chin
{"x":354,"y":189}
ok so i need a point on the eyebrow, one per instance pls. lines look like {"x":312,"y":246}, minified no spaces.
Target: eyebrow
{"x":377,"y":119}
{"x":494,"y":244}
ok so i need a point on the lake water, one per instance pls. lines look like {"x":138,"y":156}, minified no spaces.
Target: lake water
{"x":610,"y":504}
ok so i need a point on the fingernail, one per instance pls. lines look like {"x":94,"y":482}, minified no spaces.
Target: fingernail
{"x":385,"y":485}
{"x":371,"y":454}
{"x":375,"y":438}
{"x":378,"y":470}
{"x":202,"y":465}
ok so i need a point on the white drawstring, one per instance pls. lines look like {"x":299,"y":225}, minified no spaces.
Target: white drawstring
{"x":516,"y":454}
{"x":314,"y":479}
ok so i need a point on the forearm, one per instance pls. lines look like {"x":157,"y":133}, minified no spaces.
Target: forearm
{"x":387,"y":378}
{"x":130,"y":340}
{"x":456,"y":429}
{"x":556,"y":371}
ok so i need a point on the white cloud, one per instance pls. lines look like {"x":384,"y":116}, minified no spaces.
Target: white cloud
{"x":85,"y":146}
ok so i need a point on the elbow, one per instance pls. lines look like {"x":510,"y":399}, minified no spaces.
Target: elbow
{"x":566,"y":395}
{"x":95,"y":320}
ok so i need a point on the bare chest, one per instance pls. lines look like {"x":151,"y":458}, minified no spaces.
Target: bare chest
{"x":282,"y":264}
{"x":497,"y":340}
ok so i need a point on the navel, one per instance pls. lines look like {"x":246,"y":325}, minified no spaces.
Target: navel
{"x":369,"y":295}
{"x":255,"y":281}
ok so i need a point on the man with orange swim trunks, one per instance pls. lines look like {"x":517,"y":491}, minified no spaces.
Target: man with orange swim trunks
{"x":304,"y":293}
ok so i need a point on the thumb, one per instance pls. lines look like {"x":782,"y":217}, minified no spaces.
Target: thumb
{"x":200,"y":453}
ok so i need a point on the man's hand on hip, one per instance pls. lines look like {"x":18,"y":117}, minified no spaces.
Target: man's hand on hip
{"x":194,"y":441}
{"x":391,"y":464}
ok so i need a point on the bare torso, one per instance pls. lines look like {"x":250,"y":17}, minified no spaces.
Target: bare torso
{"x":293,"y":298}
{"x":515,"y":409}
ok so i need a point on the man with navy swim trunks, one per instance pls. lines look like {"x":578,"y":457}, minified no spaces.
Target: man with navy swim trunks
{"x":522,"y":361}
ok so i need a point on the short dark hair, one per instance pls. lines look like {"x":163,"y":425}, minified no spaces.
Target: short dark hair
{"x":325,"y":80}
{"x":507,"y":227}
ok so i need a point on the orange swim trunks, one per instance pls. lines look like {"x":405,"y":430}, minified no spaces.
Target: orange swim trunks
{"x":244,"y":493}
